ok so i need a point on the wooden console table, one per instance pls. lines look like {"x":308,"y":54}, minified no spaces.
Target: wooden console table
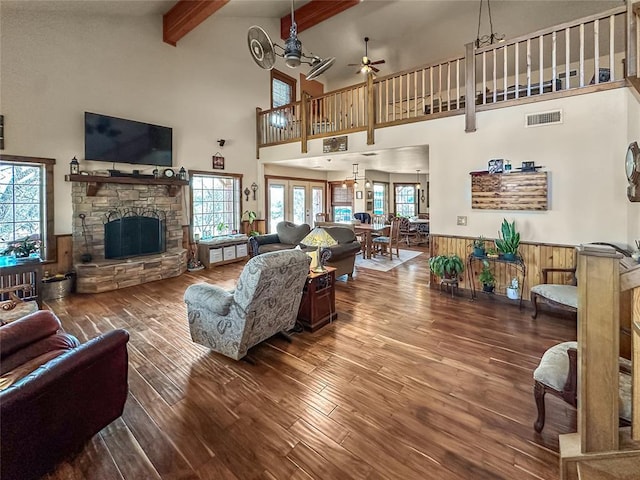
{"x":318,"y":305}
{"x":223,"y":251}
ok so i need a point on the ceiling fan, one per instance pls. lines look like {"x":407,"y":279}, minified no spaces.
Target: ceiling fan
{"x":366,"y":65}
{"x":263,"y":51}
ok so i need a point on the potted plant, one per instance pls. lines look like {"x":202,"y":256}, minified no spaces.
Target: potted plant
{"x":492,"y":253}
{"x":509,"y":240}
{"x":221,"y":228}
{"x":249,"y":216}
{"x":25,"y":249}
{"x":486,"y":278}
{"x":478,"y":246}
{"x":513,"y":290}
{"x":446,"y":266}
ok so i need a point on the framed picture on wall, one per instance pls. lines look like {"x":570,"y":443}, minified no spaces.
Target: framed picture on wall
{"x":218,"y":162}
{"x":359,"y":195}
{"x":369,"y":195}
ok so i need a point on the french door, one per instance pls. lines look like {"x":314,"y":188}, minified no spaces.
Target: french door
{"x":296,"y":201}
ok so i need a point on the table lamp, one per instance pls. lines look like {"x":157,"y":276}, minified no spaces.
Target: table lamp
{"x":318,"y":237}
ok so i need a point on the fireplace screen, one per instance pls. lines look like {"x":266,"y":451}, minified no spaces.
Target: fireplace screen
{"x":129,"y":233}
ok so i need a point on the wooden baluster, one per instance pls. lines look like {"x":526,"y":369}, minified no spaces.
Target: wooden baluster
{"x":581,"y":81}
{"x":612,"y":26}
{"x":541,"y":64}
{"x":596,"y":51}
{"x":567,"y":57}
{"x":554,"y":69}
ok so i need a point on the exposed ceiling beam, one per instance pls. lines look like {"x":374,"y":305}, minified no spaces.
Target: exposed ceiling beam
{"x":186,"y":15}
{"x":313,"y":13}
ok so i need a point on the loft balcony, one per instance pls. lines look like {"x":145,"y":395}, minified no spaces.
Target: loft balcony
{"x":583,"y":56}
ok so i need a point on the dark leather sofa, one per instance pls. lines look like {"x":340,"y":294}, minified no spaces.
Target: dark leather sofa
{"x":56,"y":394}
{"x":341,"y":256}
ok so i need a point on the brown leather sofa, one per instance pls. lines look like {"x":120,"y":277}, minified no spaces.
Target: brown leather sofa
{"x":55,"y":393}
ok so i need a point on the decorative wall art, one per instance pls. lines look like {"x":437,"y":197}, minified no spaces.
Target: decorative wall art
{"x":218,"y":162}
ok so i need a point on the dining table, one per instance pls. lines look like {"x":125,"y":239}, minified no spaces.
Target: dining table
{"x":367,"y":230}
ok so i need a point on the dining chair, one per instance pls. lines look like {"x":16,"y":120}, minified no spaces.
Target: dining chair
{"x":382,"y":243}
{"x":321,"y":217}
{"x":408,"y":232}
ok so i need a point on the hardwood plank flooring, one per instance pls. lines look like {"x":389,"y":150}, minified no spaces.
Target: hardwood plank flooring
{"x":407,"y":383}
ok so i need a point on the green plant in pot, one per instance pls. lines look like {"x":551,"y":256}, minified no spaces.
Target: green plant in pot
{"x":509,"y":240}
{"x":487,"y":278}
{"x":446,"y":266}
{"x":250,"y":216}
{"x":478,"y":246}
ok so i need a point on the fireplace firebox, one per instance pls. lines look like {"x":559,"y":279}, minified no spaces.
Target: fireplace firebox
{"x":134,"y":232}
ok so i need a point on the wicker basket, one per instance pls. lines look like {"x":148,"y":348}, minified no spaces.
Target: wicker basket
{"x":58,"y":288}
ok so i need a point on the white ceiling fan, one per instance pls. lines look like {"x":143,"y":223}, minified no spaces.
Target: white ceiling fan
{"x":366,"y":65}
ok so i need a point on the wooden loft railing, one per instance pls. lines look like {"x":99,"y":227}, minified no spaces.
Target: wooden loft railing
{"x":572,"y":58}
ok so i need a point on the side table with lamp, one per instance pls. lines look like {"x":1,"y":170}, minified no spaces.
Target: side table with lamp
{"x":318,"y":305}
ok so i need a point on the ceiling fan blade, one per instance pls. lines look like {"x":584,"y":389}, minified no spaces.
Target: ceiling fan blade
{"x":378,"y":62}
{"x":375,"y":69}
{"x":353,"y":64}
{"x":358,"y":71}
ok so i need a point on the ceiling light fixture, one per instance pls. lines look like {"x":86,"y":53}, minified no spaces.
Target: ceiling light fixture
{"x":492,"y":37}
{"x":418,"y":185}
{"x":263,"y":51}
{"x":356,"y":177}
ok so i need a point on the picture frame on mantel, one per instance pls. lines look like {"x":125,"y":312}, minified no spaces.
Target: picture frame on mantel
{"x":218,"y":162}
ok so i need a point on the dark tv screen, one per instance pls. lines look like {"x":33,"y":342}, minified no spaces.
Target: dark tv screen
{"x":117,"y":140}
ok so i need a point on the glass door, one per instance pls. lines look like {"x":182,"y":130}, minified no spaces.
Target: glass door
{"x":296,"y":201}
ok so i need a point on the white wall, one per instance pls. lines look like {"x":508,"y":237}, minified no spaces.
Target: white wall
{"x":54,"y":67}
{"x":583,"y":155}
{"x":633,"y":135}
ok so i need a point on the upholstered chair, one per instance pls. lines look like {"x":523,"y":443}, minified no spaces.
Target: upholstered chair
{"x":264,"y":302}
{"x":557,"y":374}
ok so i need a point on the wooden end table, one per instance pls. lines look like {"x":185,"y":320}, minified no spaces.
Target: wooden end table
{"x":318,"y":305}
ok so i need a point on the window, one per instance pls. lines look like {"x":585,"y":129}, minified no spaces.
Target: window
{"x":283,"y":89}
{"x":215,"y":204}
{"x":25,"y":206}
{"x":405,"y":199}
{"x":379,"y":198}
{"x":342,"y":202}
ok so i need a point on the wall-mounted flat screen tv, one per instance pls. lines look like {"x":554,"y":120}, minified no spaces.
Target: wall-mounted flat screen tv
{"x":117,"y":140}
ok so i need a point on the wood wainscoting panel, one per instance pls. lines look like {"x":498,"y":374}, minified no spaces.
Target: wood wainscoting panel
{"x":509,"y":191}
{"x":536,"y":256}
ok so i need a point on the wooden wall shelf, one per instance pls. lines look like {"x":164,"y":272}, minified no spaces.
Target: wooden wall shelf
{"x":509,"y":191}
{"x":94,"y":182}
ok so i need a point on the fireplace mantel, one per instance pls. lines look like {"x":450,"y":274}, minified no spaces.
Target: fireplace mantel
{"x":94,"y":182}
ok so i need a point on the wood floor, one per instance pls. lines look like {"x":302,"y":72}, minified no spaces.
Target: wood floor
{"x":407,"y":383}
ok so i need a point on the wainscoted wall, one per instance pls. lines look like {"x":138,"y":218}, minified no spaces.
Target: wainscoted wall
{"x":536,"y":256}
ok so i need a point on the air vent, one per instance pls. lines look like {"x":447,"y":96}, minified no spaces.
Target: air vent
{"x":543,"y":118}
{"x":370,"y":154}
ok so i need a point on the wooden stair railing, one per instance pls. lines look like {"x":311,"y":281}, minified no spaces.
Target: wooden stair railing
{"x":602,"y":276}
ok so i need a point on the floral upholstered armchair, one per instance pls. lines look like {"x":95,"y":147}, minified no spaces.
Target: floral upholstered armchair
{"x":264,"y":302}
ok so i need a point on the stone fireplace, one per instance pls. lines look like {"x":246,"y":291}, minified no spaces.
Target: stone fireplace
{"x":124,"y":211}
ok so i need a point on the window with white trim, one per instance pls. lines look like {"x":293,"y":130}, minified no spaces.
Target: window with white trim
{"x":405,"y":200}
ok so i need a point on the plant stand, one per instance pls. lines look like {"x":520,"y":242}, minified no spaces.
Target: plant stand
{"x":449,"y":283}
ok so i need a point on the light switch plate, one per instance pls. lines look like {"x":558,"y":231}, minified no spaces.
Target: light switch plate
{"x":462,"y":220}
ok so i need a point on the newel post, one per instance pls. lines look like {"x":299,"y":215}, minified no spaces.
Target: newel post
{"x":371,"y":111}
{"x":598,"y":348}
{"x":470,"y":88}
{"x":305,"y":102}
{"x":258,"y":131}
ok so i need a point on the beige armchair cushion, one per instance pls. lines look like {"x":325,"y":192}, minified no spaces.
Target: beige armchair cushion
{"x":564,"y":294}
{"x":554,"y":368}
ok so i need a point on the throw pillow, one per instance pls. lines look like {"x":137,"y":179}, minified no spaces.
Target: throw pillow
{"x":290,"y":233}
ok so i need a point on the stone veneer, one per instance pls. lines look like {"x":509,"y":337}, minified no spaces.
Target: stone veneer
{"x":102,"y":275}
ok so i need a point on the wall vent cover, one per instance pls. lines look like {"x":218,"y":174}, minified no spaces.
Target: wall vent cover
{"x":543,"y":118}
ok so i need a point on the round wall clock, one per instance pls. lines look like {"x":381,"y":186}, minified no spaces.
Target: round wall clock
{"x":168,"y":173}
{"x":632,"y":170}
